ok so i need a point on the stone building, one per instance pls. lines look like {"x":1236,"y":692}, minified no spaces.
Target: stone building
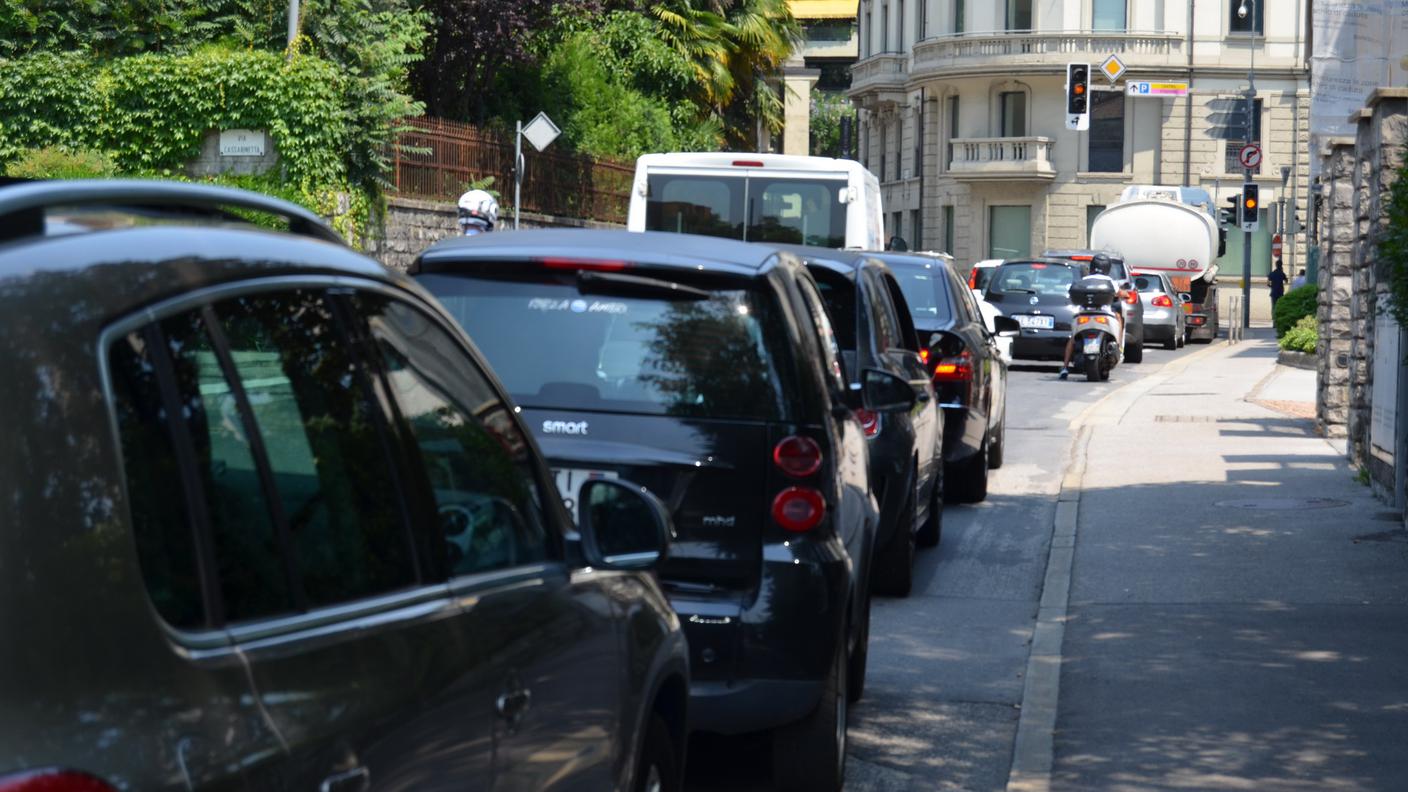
{"x":823,"y":63}
{"x":963,"y":104}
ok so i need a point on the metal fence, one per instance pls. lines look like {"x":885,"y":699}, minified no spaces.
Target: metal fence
{"x":437,"y":159}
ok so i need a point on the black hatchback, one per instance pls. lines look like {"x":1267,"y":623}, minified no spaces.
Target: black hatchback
{"x":269,"y":522}
{"x":706,"y":370}
{"x":1036,"y":293}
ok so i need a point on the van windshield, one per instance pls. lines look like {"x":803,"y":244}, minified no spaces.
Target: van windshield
{"x":555,"y":347}
{"x":753,"y":208}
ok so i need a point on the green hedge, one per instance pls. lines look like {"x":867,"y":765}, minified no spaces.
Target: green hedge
{"x":1296,"y":303}
{"x":1302,"y":337}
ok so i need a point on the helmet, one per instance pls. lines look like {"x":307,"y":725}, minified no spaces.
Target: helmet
{"x":478,"y":211}
{"x":1100,"y":264}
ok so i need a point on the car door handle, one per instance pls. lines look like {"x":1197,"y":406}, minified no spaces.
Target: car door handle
{"x":512,"y":704}
{"x":358,"y":779}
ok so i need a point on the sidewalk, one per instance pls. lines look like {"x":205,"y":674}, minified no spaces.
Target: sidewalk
{"x":1238,"y":613}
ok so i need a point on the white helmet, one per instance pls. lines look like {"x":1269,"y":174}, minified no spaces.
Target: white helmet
{"x":478,"y":211}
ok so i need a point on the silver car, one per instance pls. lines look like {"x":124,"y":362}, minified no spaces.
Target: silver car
{"x":1164,"y":317}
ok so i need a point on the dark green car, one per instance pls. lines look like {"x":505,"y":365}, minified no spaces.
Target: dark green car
{"x":267,"y":521}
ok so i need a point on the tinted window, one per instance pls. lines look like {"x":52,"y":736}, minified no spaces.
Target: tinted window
{"x":756,"y":208}
{"x":981,"y":277}
{"x":555,"y":346}
{"x":826,"y":336}
{"x":1033,"y":278}
{"x":477,"y":461}
{"x":838,"y":294}
{"x":925,"y":290}
{"x":1149,"y":283}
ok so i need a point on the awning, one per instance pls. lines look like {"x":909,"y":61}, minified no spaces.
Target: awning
{"x":823,"y":9}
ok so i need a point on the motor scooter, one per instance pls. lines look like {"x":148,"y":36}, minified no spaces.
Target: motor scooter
{"x":1097,"y":332}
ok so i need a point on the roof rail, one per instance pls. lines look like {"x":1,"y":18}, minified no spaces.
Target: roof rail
{"x":22,"y":204}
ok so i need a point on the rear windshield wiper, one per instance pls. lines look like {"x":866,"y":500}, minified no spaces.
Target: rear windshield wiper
{"x":590,"y":282}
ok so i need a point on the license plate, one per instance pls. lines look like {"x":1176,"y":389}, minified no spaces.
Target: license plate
{"x":1092,"y":346}
{"x":570,"y":480}
{"x":1036,"y":322}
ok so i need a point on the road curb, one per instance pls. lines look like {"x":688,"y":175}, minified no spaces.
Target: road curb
{"x":1033,"y":751}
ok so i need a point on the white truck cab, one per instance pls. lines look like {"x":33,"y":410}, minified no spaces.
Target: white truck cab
{"x":758,"y":198}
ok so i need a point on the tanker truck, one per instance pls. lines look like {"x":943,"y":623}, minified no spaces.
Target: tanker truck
{"x":1172,"y":230}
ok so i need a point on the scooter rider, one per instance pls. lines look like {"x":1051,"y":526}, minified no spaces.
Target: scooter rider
{"x":1099,"y":268}
{"x":479,"y":212}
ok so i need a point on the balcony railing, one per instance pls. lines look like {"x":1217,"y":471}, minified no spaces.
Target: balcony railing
{"x":988,"y":51}
{"x":1006,"y":158}
{"x":889,"y":70}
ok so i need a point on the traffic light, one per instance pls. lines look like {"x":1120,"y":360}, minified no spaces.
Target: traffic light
{"x":1228,"y":217}
{"x":1250,"y":205}
{"x":1078,"y":96}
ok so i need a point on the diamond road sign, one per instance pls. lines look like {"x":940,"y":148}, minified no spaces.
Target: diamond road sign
{"x":541,"y":131}
{"x":1113,"y":68}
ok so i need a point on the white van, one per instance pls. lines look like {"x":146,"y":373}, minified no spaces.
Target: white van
{"x":759,"y":198}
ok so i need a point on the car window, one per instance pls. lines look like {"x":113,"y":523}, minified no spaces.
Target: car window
{"x":897,"y":308}
{"x":982,"y":276}
{"x":838,"y":294}
{"x":1033,"y":278}
{"x":925,"y":291}
{"x":1151,"y":283}
{"x":826,"y":337}
{"x":477,"y":461}
{"x":887,"y":331}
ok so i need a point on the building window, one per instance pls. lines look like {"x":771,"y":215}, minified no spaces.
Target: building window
{"x":958,"y":16}
{"x":952,"y":126}
{"x":1110,"y":15}
{"x":923,"y":19}
{"x":1234,"y":147}
{"x":1019,"y":15}
{"x":880,"y":133}
{"x":916,"y":235}
{"x":1106,"y":139}
{"x":896,"y":225}
{"x":948,"y":229}
{"x":1253,"y":22}
{"x":900,"y":40}
{"x":884,"y":27}
{"x":1009,"y":232}
{"x":1090,"y":213}
{"x":899,"y":149}
{"x":1012,"y":109}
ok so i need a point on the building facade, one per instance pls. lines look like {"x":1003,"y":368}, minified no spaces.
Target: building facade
{"x":962,"y":110}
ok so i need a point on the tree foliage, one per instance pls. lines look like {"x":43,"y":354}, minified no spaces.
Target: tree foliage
{"x":1296,"y":303}
{"x":827,"y":114}
{"x":1393,"y":249}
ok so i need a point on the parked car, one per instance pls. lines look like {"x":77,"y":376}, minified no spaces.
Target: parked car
{"x":1133,"y":306}
{"x":965,"y":360}
{"x":1164,"y":317}
{"x":874,"y":329}
{"x":980,"y":274}
{"x":273,"y":524}
{"x":707,"y":370}
{"x":1036,"y":293}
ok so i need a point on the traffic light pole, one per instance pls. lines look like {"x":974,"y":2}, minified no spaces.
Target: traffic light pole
{"x":1247,"y":179}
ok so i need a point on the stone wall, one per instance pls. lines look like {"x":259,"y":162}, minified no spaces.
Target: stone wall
{"x":1335,"y":275}
{"x":411,"y":226}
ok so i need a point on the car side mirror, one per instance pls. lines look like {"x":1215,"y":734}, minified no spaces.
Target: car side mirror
{"x":1185,"y":297}
{"x":1006,"y":327}
{"x":623,"y":526}
{"x":882,"y":391}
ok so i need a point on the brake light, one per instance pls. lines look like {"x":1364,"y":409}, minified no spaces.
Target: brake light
{"x":1162,"y":301}
{"x":797,"y":456}
{"x":1131,"y":296}
{"x":924,"y":355}
{"x":973,"y":278}
{"x":1082,"y":257}
{"x":52,"y":780}
{"x":869,"y":421}
{"x":798,"y":509}
{"x":958,"y":368}
{"x":594,"y":265}
{"x":747,"y":163}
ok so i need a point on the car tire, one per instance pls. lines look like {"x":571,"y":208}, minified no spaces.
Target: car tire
{"x":932,"y":531}
{"x":810,"y":755}
{"x":858,"y":656}
{"x":1182,"y":339}
{"x":894,"y":566}
{"x":998,"y":444}
{"x":968,"y":481}
{"x":1134,"y":353}
{"x":1172,"y":342}
{"x":659,"y":767}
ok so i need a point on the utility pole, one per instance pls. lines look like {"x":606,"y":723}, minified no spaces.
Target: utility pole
{"x":292,"y":22}
{"x":1247,"y":172}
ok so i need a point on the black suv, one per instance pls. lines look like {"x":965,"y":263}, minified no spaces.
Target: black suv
{"x":874,"y":329}
{"x":706,"y":370}
{"x":271,"y":523}
{"x":968,"y":371}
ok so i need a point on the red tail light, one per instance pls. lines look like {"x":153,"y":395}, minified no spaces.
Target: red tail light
{"x":595,"y":265}
{"x":1162,"y":301}
{"x":797,"y":509}
{"x":53,"y":781}
{"x":747,"y":163}
{"x":797,"y":456}
{"x":958,"y":368}
{"x":869,"y":421}
{"x":924,"y":355}
{"x":973,"y":278}
{"x":1131,"y":296}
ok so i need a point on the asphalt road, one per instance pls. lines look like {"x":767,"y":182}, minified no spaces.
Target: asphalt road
{"x":945,"y":681}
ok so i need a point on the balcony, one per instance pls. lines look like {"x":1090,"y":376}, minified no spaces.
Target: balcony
{"x":1002,"y":159}
{"x":880,"y":79}
{"x":987,"y":53}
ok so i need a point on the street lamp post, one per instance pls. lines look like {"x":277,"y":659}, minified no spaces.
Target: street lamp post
{"x":1247,"y":172}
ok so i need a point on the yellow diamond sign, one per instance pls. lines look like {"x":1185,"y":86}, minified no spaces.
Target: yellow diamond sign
{"x":1112,"y":68}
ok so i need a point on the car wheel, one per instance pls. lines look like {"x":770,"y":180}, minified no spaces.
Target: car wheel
{"x":658,"y":771}
{"x":933,"y":528}
{"x":810,"y":755}
{"x":858,"y":656}
{"x":1182,"y":339}
{"x":894,"y":567}
{"x":968,"y":482}
{"x":1172,"y":342}
{"x":1134,"y":353}
{"x":999,"y":442}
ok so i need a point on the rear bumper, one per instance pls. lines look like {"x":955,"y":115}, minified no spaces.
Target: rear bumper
{"x":1201,"y":326}
{"x":751,"y":704}
{"x":1047,"y":345}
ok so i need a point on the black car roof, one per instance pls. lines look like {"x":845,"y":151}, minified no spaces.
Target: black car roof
{"x":845,"y":262}
{"x":656,"y":248}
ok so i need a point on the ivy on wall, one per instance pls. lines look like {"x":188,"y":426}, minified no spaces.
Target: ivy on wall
{"x":1393,"y":250}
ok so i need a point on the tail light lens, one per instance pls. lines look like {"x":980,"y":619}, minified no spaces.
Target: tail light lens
{"x":958,"y":368}
{"x":797,"y":456}
{"x":1131,"y":296}
{"x":796,"y":509}
{"x":53,"y":781}
{"x":869,"y":421}
{"x":1162,"y":301}
{"x":924,"y":355}
{"x":973,"y":278}
{"x":592,"y":265}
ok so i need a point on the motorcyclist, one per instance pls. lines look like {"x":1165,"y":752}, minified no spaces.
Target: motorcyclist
{"x":479,"y":212}
{"x":1099,"y":268}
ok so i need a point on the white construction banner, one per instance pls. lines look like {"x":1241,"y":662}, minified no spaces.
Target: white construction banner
{"x":1383,"y":399}
{"x":1358,"y":46}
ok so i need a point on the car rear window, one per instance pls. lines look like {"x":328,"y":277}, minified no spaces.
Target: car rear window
{"x":1033,"y":278}
{"x":756,"y":208}
{"x":1149,"y":283}
{"x":925,"y":288}
{"x":556,"y":347}
{"x":981,"y":277}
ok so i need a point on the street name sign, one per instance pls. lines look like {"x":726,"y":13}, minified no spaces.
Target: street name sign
{"x":1250,"y":156}
{"x":1113,"y":68}
{"x":1156,"y":90}
{"x":241,"y":143}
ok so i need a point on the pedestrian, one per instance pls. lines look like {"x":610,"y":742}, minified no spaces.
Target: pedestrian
{"x":1277,"y":281}
{"x":1299,"y":280}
